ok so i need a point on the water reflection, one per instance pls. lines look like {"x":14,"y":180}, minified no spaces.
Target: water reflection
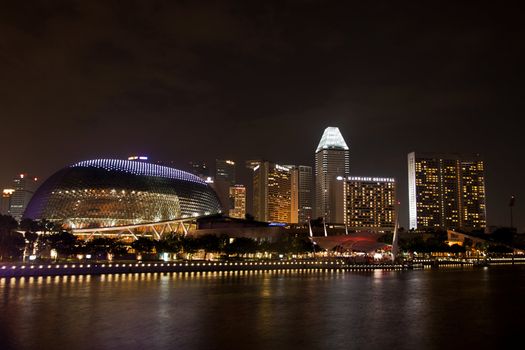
{"x":261,"y":309}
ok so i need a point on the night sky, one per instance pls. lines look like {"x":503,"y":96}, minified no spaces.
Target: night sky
{"x":196,"y":80}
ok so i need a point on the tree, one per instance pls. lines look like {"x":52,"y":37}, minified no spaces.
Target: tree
{"x":171,"y":243}
{"x":210,"y":243}
{"x":11,"y":243}
{"x":143,"y":245}
{"x":456,"y":248}
{"x":503,"y":235}
{"x":241,"y":246}
{"x":30,"y":225}
{"x":65,"y":243}
{"x":102,"y":246}
{"x":189,"y":245}
{"x":301,"y":245}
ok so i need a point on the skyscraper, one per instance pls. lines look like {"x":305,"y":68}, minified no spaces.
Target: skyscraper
{"x":446,"y":191}
{"x":5,"y":201}
{"x":197,"y":168}
{"x":332,"y":159}
{"x":302,"y":192}
{"x":272,"y":193}
{"x":225,"y":169}
{"x":238,"y":200}
{"x":24,"y":186}
{"x":369,"y":203}
{"x":224,"y":179}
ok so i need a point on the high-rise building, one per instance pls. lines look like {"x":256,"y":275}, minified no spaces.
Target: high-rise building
{"x":332,"y":159}
{"x":302,"y":192}
{"x":294,"y":194}
{"x":224,"y":179}
{"x":225,"y":169}
{"x":24,"y":186}
{"x":446,"y":191}
{"x":238,"y":200}
{"x":368,"y":203}
{"x":5,"y":201}
{"x":272,"y":193}
{"x":200,"y":169}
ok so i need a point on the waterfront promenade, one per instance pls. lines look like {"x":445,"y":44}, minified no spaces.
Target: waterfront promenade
{"x":65,"y":269}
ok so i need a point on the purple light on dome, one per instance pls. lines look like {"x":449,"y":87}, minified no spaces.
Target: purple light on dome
{"x":139,"y":168}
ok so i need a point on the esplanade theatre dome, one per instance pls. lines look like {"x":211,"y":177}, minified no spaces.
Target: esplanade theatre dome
{"x":113,"y":192}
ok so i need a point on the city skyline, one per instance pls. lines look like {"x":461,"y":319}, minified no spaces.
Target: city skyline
{"x":261,"y":82}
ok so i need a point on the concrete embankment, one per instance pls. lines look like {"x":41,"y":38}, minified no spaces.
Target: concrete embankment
{"x":115,"y":268}
{"x":67,"y":269}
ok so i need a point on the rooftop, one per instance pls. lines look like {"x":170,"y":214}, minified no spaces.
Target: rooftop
{"x":332,"y":139}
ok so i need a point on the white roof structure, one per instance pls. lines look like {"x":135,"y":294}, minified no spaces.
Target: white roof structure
{"x":332,"y":139}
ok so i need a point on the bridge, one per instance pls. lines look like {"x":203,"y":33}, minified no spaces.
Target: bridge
{"x":151,"y":229}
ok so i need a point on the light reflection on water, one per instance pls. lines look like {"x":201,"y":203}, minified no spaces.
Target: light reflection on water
{"x":264,"y":310}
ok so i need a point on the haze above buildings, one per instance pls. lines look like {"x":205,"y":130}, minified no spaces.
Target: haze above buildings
{"x":84,"y":81}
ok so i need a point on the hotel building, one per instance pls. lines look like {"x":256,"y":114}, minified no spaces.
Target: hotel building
{"x":369,"y":203}
{"x":446,"y":191}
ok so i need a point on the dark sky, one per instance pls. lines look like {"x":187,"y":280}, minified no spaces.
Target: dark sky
{"x":197,"y":80}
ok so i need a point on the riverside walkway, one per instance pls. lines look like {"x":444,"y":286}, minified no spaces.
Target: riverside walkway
{"x":65,"y":269}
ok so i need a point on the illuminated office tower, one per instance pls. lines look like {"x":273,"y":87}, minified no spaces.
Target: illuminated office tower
{"x":302,"y":190}
{"x":331,"y":160}
{"x":24,"y":186}
{"x":446,"y":191}
{"x":224,"y":179}
{"x":5,"y":201}
{"x":369,"y":203}
{"x":238,"y":200}
{"x":272,"y":193}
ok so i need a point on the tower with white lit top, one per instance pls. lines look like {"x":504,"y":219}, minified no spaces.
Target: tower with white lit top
{"x":332,"y":159}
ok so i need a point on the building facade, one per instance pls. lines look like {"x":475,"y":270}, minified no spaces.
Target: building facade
{"x":103,"y":193}
{"x":238,"y":202}
{"x":446,"y":191}
{"x":302,"y":192}
{"x":24,"y":186}
{"x":272,"y":193}
{"x":332,"y":159}
{"x":369,"y":203}
{"x":5,"y":201}
{"x":224,"y":179}
{"x":199,"y":169}
{"x":225,"y":169}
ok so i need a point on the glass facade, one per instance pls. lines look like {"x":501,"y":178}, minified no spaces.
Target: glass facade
{"x":272,"y":193}
{"x":110,"y":192}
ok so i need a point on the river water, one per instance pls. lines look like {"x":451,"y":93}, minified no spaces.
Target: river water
{"x":478,"y":308}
